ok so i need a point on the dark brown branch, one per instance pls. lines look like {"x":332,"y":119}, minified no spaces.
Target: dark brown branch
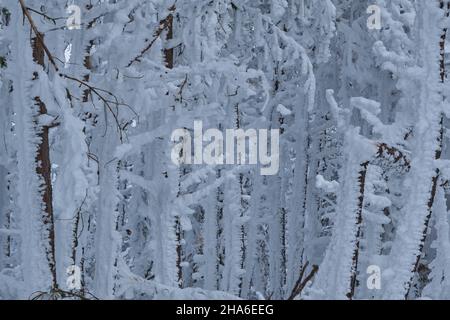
{"x":387,"y":152}
{"x":165,"y":24}
{"x":43,"y":170}
{"x":359,"y":210}
{"x":301,"y":284}
{"x":89,"y":87}
{"x":393,"y":156}
{"x":38,"y":34}
{"x":444,"y":5}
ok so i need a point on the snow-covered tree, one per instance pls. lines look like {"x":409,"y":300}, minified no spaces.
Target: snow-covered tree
{"x":93,"y":97}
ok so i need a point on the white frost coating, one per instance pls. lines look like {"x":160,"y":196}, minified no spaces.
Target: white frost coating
{"x":362,"y":176}
{"x":327,"y":186}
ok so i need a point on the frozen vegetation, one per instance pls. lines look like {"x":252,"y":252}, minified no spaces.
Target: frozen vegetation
{"x":345,"y":195}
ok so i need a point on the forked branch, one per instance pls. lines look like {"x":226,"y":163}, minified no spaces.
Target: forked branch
{"x":163,"y":26}
{"x":26,"y":12}
{"x":301,"y":283}
{"x":102,"y":94}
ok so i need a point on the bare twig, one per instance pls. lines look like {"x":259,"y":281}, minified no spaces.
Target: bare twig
{"x":26,"y":12}
{"x":59,"y":294}
{"x":97,"y":91}
{"x":45,"y":15}
{"x":164,"y":25}
{"x":301,"y":284}
{"x":180,"y":93}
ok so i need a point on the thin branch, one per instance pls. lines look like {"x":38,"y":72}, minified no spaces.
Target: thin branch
{"x":45,"y":15}
{"x":301,"y":284}
{"x":180,"y":93}
{"x":26,"y":12}
{"x":97,"y":92}
{"x":164,"y":25}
